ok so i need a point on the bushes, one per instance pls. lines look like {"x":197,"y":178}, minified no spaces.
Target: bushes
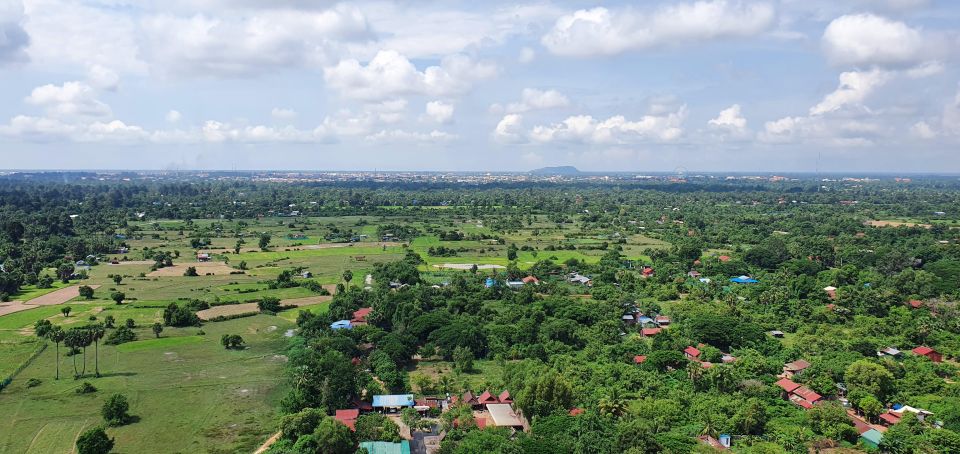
{"x":121,"y":335}
{"x":86,"y":388}
{"x":175,"y":315}
{"x":115,"y":410}
{"x":231,"y":341}
{"x":269,"y":304}
{"x":94,"y":441}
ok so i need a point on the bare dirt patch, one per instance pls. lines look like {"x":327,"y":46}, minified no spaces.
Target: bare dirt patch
{"x":228,"y":310}
{"x":249,"y":308}
{"x":58,"y":297}
{"x":467,"y":266}
{"x":896,"y":224}
{"x":13,"y":306}
{"x":203,"y":268}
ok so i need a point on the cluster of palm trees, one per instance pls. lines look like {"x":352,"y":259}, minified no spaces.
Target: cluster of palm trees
{"x":77,"y":339}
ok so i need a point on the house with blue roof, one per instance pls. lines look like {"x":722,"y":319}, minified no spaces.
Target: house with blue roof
{"x":341,"y":324}
{"x":393,"y":401}
{"x":743,"y":280}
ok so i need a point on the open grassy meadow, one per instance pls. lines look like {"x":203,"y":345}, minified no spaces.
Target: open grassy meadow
{"x":187,"y":392}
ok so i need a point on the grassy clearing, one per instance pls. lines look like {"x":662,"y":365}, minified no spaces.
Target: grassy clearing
{"x":161,"y":342}
{"x":232,"y":396}
{"x":13,"y":353}
{"x":485,"y":373}
{"x":290,"y":315}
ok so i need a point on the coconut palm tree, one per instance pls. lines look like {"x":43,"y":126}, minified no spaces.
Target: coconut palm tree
{"x":613,"y":404}
{"x":56,"y":335}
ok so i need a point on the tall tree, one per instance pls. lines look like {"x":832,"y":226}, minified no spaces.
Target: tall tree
{"x":56,"y":335}
{"x":96,"y":333}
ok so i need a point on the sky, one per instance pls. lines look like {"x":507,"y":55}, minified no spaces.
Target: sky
{"x":708,"y":85}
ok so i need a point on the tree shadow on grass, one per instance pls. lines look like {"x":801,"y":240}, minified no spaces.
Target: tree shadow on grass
{"x":117,"y":374}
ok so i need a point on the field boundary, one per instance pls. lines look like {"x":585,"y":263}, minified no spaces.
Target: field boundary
{"x":23,"y":365}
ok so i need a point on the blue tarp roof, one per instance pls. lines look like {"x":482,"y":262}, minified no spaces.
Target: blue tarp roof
{"x":644,"y":319}
{"x":489,"y":283}
{"x":744,"y":280}
{"x":341,"y":324}
{"x":393,"y":400}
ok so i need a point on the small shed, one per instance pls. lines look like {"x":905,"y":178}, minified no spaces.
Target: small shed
{"x":934,"y":355}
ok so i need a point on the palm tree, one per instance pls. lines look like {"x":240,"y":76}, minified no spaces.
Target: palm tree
{"x":72,"y":339}
{"x":56,"y":335}
{"x":612,"y":404}
{"x":86,"y":338}
{"x":96,"y":333}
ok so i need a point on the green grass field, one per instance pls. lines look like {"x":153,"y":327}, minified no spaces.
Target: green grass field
{"x":189,"y":394}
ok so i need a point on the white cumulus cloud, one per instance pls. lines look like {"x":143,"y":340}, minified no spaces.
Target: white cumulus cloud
{"x":868,"y":39}
{"x":439,"y":111}
{"x":390,"y":74}
{"x":534,"y":99}
{"x":730,"y":121}
{"x":590,"y":32}
{"x":72,"y":99}
{"x":854,"y":87}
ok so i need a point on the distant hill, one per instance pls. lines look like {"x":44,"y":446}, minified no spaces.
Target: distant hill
{"x":558,"y":170}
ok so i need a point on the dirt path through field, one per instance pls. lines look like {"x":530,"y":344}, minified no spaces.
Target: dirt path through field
{"x":266,"y":445}
{"x":59,"y":296}
{"x":13,"y":306}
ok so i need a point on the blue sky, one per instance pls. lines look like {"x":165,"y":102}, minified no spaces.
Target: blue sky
{"x":748,"y":85}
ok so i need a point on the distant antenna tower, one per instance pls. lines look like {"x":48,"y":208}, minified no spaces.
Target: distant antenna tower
{"x":680,"y":172}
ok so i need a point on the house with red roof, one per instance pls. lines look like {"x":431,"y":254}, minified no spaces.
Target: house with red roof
{"x":360,"y":316}
{"x":646,"y":332}
{"x":639,"y":359}
{"x":348,"y":417}
{"x":505,"y":397}
{"x":531,"y":280}
{"x":916,"y":304}
{"x":889,"y":419}
{"x":575,"y":411}
{"x":724,"y":258}
{"x":794,"y":368}
{"x":798,"y":394}
{"x":692,"y":353}
{"x":487,"y":398}
{"x":934,"y":355}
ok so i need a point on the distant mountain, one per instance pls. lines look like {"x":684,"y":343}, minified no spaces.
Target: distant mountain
{"x":558,"y":170}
